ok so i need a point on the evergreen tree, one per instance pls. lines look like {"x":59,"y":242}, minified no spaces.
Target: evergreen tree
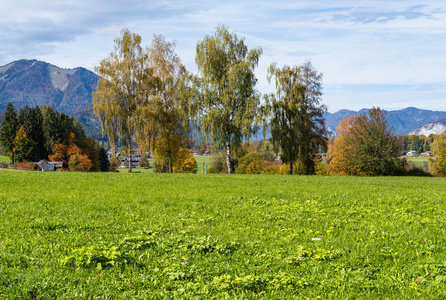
{"x":104,"y":163}
{"x":23,"y":146}
{"x":8,"y":130}
{"x":32,"y":120}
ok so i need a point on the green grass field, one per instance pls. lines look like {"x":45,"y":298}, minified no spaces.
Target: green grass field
{"x":184,"y":236}
{"x":200,"y":160}
{"x":4,"y":158}
{"x":418,"y":160}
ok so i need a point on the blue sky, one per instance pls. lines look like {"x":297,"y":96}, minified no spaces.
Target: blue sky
{"x":372,"y":53}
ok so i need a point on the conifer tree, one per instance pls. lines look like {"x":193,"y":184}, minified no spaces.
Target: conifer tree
{"x":23,"y":146}
{"x":8,"y":130}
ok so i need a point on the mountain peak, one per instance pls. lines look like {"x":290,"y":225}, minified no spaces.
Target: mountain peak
{"x":34,"y":82}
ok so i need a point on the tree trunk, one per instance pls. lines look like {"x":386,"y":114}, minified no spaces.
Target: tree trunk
{"x":130,"y":155}
{"x":228,"y":158}
{"x":169,"y":162}
{"x":291,"y":168}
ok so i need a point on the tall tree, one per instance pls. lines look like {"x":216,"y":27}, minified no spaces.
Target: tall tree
{"x":297,"y":123}
{"x":124,"y":78}
{"x":229,"y":104}
{"x":32,"y":120}
{"x":164,"y":116}
{"x":437,"y":164}
{"x":339,"y":149}
{"x":8,"y":130}
{"x":23,"y":146}
{"x":367,"y":146}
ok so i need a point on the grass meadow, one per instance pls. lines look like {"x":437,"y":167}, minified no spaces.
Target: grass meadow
{"x":201,"y":159}
{"x":418,"y":160}
{"x":184,"y":236}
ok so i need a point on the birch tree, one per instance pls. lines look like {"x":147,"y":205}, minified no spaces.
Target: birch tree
{"x":163,"y":117}
{"x":297,"y":122}
{"x":229,"y":103}
{"x":125,"y":79}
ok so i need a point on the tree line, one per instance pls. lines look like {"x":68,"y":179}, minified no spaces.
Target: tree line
{"x":35,"y":133}
{"x":145,"y":96}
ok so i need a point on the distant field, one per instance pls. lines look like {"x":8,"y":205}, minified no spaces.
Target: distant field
{"x":184,"y":236}
{"x":4,"y":158}
{"x":200,"y":160}
{"x":418,"y":160}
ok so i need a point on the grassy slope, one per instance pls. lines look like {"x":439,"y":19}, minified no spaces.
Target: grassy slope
{"x":221,"y":236}
{"x":4,"y":158}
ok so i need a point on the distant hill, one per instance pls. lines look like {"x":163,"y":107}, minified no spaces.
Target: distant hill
{"x":437,"y":127}
{"x":33,"y":82}
{"x":404,"y":120}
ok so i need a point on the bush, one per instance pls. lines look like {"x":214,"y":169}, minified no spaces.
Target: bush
{"x":271,"y":167}
{"x":160,"y":165}
{"x":185,"y":162}
{"x":115,"y":163}
{"x":79,"y":163}
{"x":218,"y":163}
{"x":144,"y":162}
{"x":250,"y":164}
{"x":26,"y":165}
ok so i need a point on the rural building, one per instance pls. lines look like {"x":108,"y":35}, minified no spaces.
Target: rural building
{"x":426,"y":154}
{"x":45,"y":165}
{"x":411,"y":153}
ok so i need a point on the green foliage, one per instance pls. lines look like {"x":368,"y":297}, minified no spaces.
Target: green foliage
{"x":229,"y":105}
{"x":374,"y":148}
{"x":143,"y":162}
{"x":8,"y":130}
{"x":104,"y":163}
{"x":185,"y":162}
{"x":32,"y":120}
{"x":98,"y":256}
{"x":123,"y":86}
{"x":297,"y":123}
{"x":115,"y":163}
{"x":164,"y":117}
{"x":250,"y":164}
{"x":218,"y":162}
{"x":437,"y":164}
{"x":23,"y":146}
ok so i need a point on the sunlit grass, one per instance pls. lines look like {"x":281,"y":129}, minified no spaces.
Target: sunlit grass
{"x":105,"y":235}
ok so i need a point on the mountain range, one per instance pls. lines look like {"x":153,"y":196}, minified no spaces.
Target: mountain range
{"x":33,"y":82}
{"x":403,"y":121}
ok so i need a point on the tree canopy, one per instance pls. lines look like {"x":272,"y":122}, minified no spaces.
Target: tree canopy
{"x":366,"y":146}
{"x":8,"y":131}
{"x":229,"y":105}
{"x":297,"y":122}
{"x":437,"y":164}
{"x":125,"y":79}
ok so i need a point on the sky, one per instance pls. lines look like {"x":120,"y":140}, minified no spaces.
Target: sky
{"x":389,"y":54}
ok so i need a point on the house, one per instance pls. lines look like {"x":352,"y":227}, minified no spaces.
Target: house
{"x":426,"y":154}
{"x":45,"y":165}
{"x":411,"y":153}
